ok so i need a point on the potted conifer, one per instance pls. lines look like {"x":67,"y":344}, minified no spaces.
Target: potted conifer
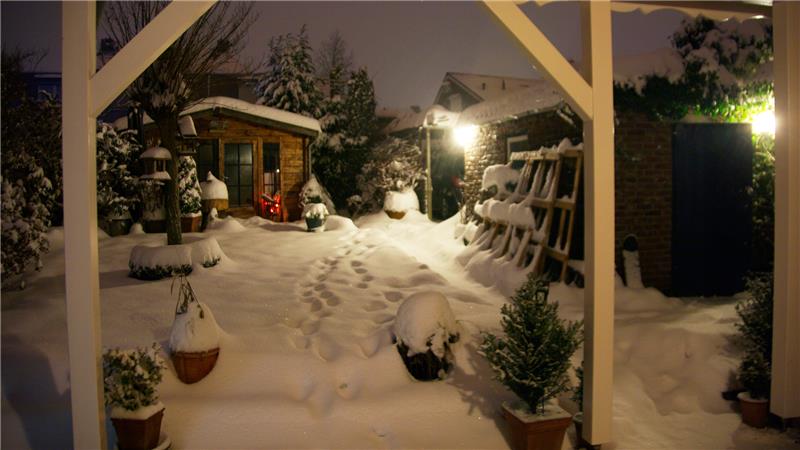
{"x":315,"y":214}
{"x":190,"y":195}
{"x":755,"y":331}
{"x":130,"y":379}
{"x":194,"y":338}
{"x":532,"y":360}
{"x":424,"y":330}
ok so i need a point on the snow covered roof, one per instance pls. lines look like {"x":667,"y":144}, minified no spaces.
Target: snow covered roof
{"x":302,"y":124}
{"x":435,"y":115}
{"x":489,"y":87}
{"x":539,"y":96}
{"x":156,"y":153}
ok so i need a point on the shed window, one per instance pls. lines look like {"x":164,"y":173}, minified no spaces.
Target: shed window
{"x":517,"y":144}
{"x":207,"y":159}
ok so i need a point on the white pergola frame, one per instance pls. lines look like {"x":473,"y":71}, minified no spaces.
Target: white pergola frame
{"x":590,"y":94}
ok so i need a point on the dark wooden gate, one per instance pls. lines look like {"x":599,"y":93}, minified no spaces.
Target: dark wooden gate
{"x":712,"y":223}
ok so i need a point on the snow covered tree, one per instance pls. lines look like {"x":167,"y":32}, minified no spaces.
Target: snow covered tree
{"x":393,"y":165}
{"x":188,"y":186}
{"x":117,"y":188}
{"x":31,"y":170}
{"x":289,"y":82}
{"x":164,"y":89}
{"x":349,"y":126}
{"x":533,"y":357}
{"x":334,"y":63}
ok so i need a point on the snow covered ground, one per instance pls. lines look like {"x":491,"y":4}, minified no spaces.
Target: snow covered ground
{"x":306,"y":356}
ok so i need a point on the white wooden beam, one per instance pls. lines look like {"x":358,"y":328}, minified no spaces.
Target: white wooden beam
{"x":785,"y":392}
{"x":599,"y":231}
{"x":545,"y":56}
{"x":143,"y":49}
{"x":80,"y":226}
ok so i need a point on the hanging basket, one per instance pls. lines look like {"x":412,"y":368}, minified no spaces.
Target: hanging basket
{"x":192,"y":367}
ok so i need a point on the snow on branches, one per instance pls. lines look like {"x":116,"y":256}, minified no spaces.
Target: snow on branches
{"x":117,"y":188}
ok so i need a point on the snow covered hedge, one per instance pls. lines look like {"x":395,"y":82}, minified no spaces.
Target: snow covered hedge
{"x":155,"y":263}
{"x":117,"y":187}
{"x":394,"y":165}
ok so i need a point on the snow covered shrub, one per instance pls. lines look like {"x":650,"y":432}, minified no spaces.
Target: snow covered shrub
{"x":393,"y":165}
{"x":532,"y":359}
{"x":313,"y":192}
{"x":425,"y":328}
{"x":755,"y":331}
{"x":117,"y":188}
{"x":130,"y":377}
{"x":188,"y":187}
{"x":155,"y":263}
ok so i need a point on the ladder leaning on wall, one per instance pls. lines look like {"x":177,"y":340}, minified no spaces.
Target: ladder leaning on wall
{"x":534,"y":226}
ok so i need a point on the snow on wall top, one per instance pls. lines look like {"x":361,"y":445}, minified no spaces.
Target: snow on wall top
{"x":632,"y":70}
{"x":242,"y":106}
{"x":539,"y":96}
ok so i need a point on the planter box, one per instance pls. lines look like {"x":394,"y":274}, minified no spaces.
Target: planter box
{"x":135,"y":434}
{"x":191,"y":224}
{"x":754,"y":411}
{"x":536,"y":431}
{"x":192,"y":367}
{"x":396,"y":215}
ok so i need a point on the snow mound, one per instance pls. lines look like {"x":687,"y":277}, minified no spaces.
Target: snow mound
{"x":154,"y":263}
{"x":425,"y":322}
{"x":339,"y":223}
{"x":136,"y":228}
{"x":195,"y":330}
{"x":226,"y":225}
{"x":401,"y":201}
{"x":213,"y":188}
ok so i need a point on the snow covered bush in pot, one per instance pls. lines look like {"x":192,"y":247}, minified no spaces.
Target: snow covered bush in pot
{"x":117,"y":187}
{"x":532,"y":360}
{"x":425,"y":328}
{"x":316,"y":203}
{"x":189,"y":194}
{"x":194,"y":338}
{"x":130,"y":379}
{"x":755,"y":331}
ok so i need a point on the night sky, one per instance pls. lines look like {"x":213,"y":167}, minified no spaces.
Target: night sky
{"x":407,"y":46}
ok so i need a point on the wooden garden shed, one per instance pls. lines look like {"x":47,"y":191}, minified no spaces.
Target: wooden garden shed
{"x":255,"y":149}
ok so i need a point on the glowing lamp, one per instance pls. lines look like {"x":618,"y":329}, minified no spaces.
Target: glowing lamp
{"x":465,"y":135}
{"x":763,"y":123}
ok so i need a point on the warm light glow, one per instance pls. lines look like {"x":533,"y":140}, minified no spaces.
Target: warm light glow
{"x":465,"y":135}
{"x":763,"y":123}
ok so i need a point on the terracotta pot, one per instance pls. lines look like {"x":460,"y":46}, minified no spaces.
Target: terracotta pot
{"x":194,"y":366}
{"x":580,"y":442}
{"x":191,"y":224}
{"x":754,"y":411}
{"x":537,"y":432}
{"x":135,"y":434}
{"x":396,"y":215}
{"x":155,"y":226}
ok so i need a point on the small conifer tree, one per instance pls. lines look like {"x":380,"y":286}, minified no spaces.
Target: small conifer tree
{"x":533,"y":357}
{"x":188,"y":186}
{"x":755,"y":331}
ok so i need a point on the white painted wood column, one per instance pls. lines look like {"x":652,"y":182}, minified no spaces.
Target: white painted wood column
{"x":80,"y":226}
{"x":599,"y":229}
{"x":785,"y":392}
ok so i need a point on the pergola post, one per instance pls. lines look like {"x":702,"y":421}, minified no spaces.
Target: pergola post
{"x":785,"y":392}
{"x":80,"y":226}
{"x":85,"y":95}
{"x":598,"y":308}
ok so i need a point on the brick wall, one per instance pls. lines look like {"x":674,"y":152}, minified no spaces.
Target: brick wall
{"x":643,"y":187}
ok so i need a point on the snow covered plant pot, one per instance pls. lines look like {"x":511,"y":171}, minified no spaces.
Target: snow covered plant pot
{"x":130,"y":379}
{"x":194,"y":338}
{"x":397,"y":203}
{"x":214,"y":194}
{"x":117,"y":225}
{"x":532,"y":359}
{"x":425,"y":328}
{"x":315,"y":215}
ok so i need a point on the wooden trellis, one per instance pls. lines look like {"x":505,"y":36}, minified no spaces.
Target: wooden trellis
{"x":546,"y":191}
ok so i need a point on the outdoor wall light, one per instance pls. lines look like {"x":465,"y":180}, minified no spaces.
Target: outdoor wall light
{"x":763,"y":123}
{"x":465,"y":135}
